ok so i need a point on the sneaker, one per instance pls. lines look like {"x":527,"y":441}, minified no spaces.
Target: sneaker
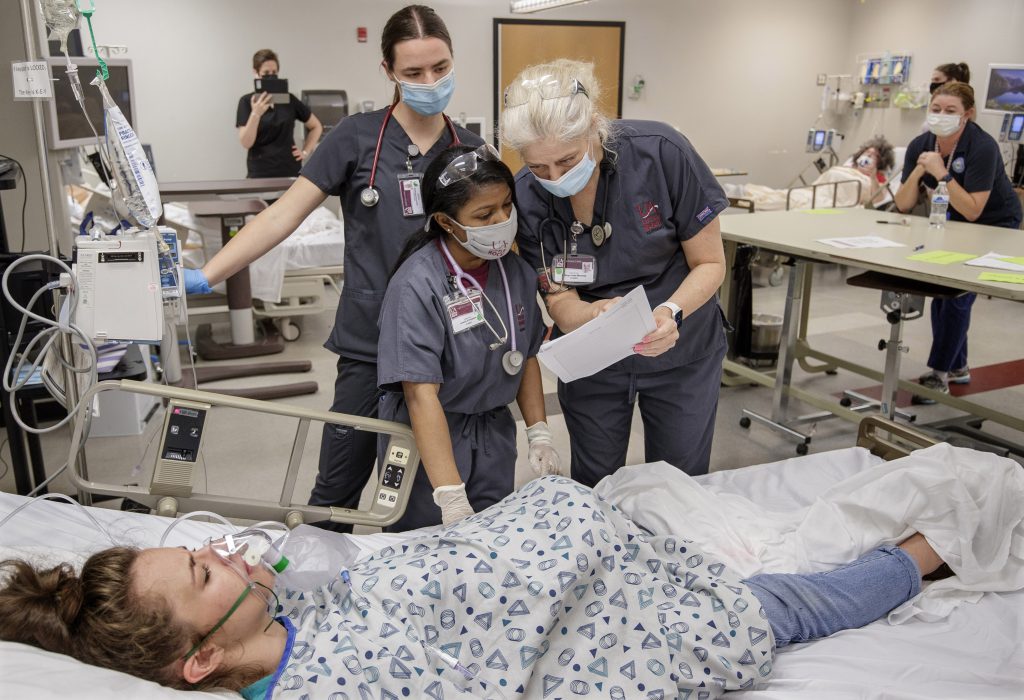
{"x":929,"y":381}
{"x":960,"y":376}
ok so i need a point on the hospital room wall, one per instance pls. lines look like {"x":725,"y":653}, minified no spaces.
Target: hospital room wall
{"x":735,"y":76}
{"x":935,"y":32}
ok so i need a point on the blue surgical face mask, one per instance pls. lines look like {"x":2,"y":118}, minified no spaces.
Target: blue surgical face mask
{"x":573,"y":180}
{"x":429,"y":100}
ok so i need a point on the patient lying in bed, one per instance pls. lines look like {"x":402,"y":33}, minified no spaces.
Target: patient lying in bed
{"x":554,"y":586}
{"x":858,"y":182}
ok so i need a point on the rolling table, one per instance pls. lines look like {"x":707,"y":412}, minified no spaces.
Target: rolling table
{"x":796,"y":233}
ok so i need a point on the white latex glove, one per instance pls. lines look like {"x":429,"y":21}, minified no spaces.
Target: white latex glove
{"x":453,"y":503}
{"x":543,"y":457}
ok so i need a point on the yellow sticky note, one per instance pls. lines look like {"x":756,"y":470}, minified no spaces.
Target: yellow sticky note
{"x":941,"y":257}
{"x":1008,"y":277}
{"x":1015,"y":261}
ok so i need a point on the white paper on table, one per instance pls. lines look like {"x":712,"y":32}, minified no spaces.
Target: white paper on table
{"x":994,"y":261}
{"x":860,"y":242}
{"x":601,"y":342}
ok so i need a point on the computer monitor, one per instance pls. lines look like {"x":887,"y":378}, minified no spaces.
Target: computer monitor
{"x":1005,"y":89}
{"x":329,"y":106}
{"x":68,"y":126}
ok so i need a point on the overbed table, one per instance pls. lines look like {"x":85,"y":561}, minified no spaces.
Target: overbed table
{"x":797,"y":233}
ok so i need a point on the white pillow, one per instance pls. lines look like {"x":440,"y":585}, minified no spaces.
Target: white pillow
{"x":28,"y":672}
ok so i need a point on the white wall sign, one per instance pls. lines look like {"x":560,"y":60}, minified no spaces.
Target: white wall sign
{"x":31,"y":80}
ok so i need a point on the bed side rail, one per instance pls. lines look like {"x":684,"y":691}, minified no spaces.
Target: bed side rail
{"x":888,"y":439}
{"x":835,"y":192}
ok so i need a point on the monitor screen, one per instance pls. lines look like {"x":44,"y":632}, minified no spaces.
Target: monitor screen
{"x":1016,"y":127}
{"x":68,"y":126}
{"x":819,"y":140}
{"x":329,"y":106}
{"x":1005,"y":89}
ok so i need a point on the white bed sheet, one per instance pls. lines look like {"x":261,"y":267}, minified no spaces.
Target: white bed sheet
{"x":978,"y":652}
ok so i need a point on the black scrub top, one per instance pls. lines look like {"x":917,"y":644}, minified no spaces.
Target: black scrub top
{"x":271,"y":152}
{"x":374,"y":236}
{"x":662,"y":193}
{"x":978,"y":167}
{"x":418,"y":344}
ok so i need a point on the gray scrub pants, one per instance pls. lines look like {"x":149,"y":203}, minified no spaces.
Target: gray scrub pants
{"x":347,"y":455}
{"x":677,"y":406}
{"x":484,"y":446}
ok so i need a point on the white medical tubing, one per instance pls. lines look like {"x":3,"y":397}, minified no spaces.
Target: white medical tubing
{"x":59,"y":497}
{"x":195,"y":514}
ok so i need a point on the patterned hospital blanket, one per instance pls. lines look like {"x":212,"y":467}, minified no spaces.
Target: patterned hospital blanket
{"x":551,"y":593}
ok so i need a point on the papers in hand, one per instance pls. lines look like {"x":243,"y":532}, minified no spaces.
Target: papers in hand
{"x":860,"y":242}
{"x":601,"y":342}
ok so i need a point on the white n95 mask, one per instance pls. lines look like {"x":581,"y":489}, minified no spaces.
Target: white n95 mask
{"x":493,"y":241}
{"x":943,"y":124}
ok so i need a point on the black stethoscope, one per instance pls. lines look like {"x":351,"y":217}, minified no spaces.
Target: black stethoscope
{"x":370,"y":194}
{"x":598,"y":233}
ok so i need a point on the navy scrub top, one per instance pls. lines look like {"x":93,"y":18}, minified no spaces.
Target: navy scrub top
{"x":375,"y":236}
{"x":271,"y":152}
{"x":417,"y":343}
{"x":978,"y":167}
{"x":662,"y":193}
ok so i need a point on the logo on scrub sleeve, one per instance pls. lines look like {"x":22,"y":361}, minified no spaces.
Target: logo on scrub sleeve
{"x":650,"y":216}
{"x":704,"y":214}
{"x":958,"y":165}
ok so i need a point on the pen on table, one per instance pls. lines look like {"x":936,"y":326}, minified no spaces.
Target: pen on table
{"x":919,"y":246}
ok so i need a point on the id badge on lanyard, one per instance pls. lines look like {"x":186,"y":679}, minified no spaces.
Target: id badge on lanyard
{"x":464,"y":313}
{"x":574,"y":269}
{"x":410,"y":189}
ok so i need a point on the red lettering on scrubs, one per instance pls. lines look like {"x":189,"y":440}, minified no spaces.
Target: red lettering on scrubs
{"x":650,"y":216}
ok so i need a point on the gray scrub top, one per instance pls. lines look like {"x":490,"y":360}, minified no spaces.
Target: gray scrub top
{"x":374,"y":237}
{"x":417,"y":343}
{"x":662,"y":193}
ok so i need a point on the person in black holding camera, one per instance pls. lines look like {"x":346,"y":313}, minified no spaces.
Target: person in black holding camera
{"x":266,"y":128}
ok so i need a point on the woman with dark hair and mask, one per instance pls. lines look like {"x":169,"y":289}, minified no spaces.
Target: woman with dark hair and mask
{"x":459,"y":331}
{"x":373,"y":162}
{"x":958,"y":152}
{"x":948,"y":73}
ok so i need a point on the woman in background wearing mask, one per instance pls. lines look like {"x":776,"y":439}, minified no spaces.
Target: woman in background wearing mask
{"x":459,"y":331}
{"x":624,"y":203}
{"x":958,"y":152}
{"x":373,"y":162}
{"x":947,"y":73}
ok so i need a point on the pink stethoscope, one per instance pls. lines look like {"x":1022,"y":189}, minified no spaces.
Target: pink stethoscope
{"x":512,"y":360}
{"x":370,"y":194}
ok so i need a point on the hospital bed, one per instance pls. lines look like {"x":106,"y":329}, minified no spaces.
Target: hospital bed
{"x":976,"y":652}
{"x":290,"y":280}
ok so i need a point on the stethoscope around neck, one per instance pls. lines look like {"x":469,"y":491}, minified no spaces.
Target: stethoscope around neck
{"x":512,"y":360}
{"x":370,"y":194}
{"x":599,"y":233}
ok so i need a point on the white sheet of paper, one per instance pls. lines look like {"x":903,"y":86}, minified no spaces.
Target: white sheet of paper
{"x":860,"y":242}
{"x":601,"y":342}
{"x":994,"y":261}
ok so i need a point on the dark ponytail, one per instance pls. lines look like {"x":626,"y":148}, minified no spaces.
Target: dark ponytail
{"x":448,"y":200}
{"x":959,"y":72}
{"x":411,"y":22}
{"x":40,"y":607}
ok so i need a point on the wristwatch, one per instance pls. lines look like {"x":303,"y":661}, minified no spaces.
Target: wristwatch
{"x":677,"y":313}
{"x":947,"y":177}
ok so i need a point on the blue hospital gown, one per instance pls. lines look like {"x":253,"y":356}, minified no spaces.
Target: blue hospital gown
{"x":550,"y":593}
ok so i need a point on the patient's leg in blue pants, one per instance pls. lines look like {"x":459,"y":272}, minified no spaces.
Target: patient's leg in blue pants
{"x":802,"y":607}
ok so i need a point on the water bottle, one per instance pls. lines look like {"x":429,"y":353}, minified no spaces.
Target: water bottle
{"x":310,"y":557}
{"x":940,"y":204}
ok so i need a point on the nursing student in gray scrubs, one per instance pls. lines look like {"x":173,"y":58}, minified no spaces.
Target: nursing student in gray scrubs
{"x":373,"y":162}
{"x":459,"y":333}
{"x":622,"y":204}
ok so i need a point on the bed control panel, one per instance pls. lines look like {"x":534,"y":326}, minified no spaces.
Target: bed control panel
{"x":393,"y":474}
{"x":179,"y":448}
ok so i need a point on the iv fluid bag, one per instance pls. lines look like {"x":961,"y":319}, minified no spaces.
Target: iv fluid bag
{"x":61,"y":17}
{"x":132,"y":170}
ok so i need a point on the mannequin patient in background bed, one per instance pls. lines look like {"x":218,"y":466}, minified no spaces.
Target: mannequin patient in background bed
{"x":868,"y":166}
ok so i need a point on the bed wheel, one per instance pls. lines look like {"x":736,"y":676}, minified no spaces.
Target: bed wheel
{"x":802,"y":448}
{"x":846,"y":402}
{"x":744,"y":422}
{"x":831,"y":372}
{"x":289,"y":330}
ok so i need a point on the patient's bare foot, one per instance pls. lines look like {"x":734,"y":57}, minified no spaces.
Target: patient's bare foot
{"x":917,"y":547}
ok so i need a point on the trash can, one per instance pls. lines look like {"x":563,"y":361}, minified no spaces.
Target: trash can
{"x":765,"y":336}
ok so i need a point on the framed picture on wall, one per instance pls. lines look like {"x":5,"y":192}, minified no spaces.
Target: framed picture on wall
{"x":1005,"y":89}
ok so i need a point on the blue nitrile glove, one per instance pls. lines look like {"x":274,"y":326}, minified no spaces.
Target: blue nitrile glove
{"x":195,"y":282}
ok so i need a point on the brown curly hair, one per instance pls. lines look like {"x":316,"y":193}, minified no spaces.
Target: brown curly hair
{"x":98,"y":618}
{"x":886,"y":156}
